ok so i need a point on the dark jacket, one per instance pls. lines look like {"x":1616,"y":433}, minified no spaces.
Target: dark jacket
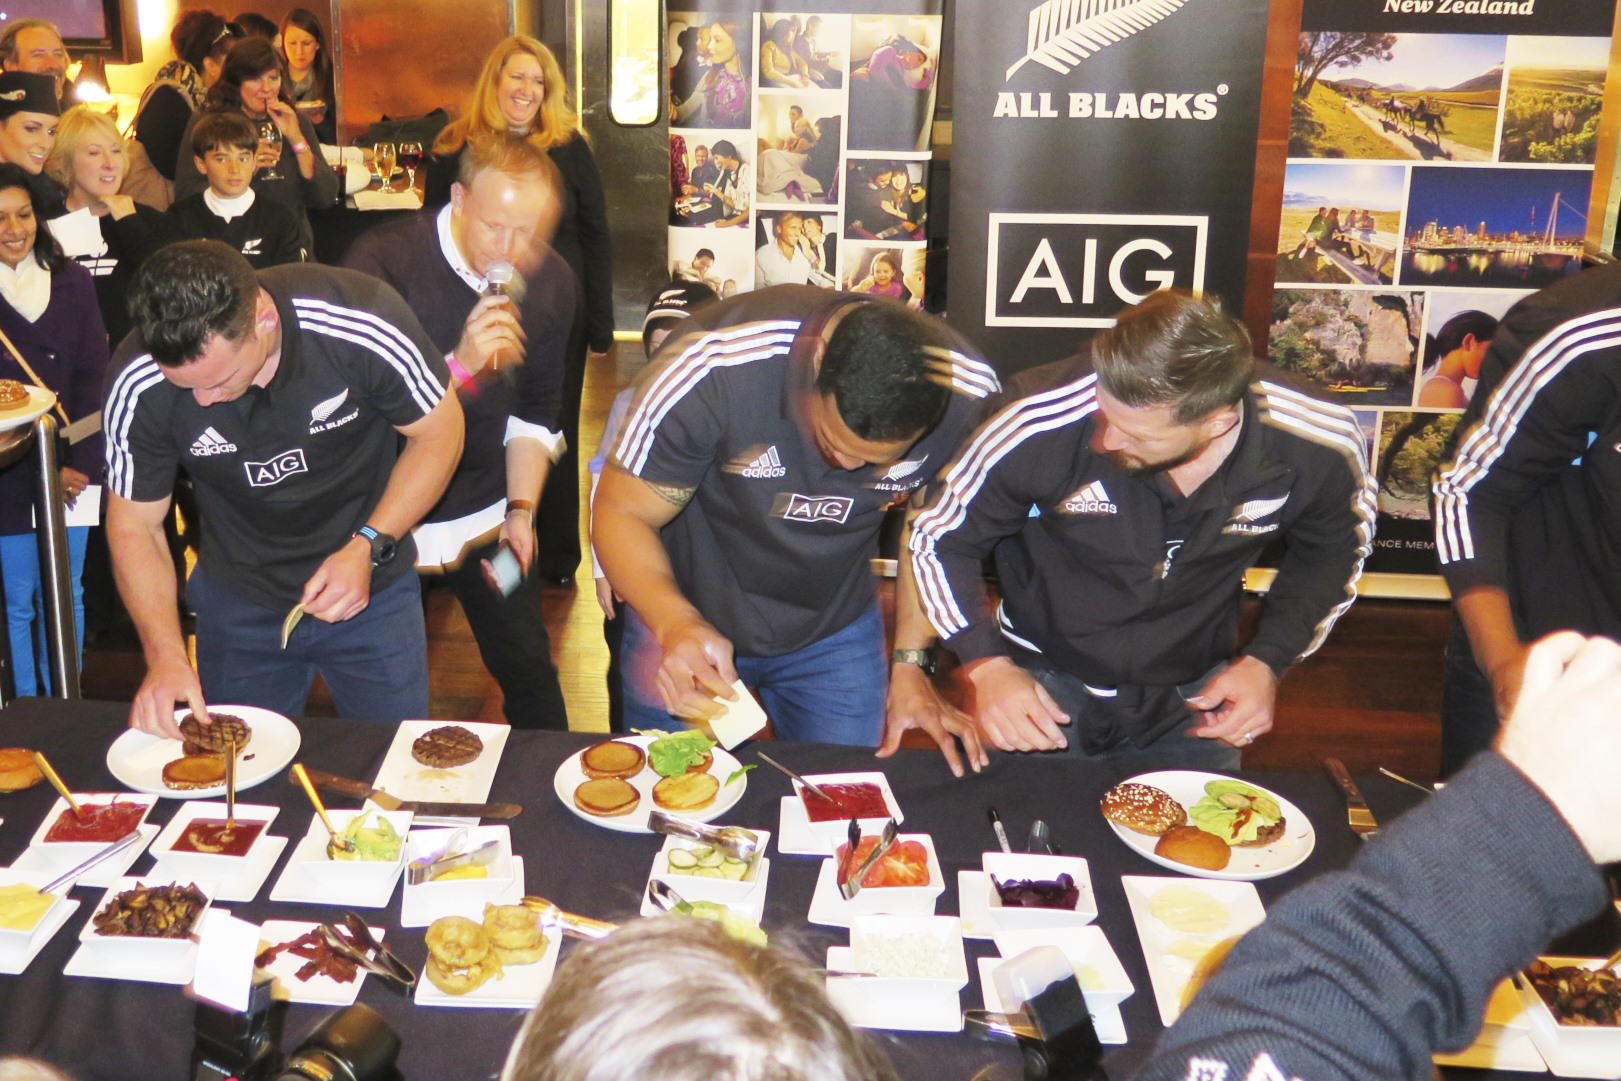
{"x":267,"y":235}
{"x":1116,"y":579}
{"x":1527,"y":502}
{"x":130,"y":240}
{"x":67,"y":348}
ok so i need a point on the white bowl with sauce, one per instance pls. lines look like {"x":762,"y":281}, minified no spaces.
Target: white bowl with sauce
{"x":189,"y":860}
{"x":71,"y":852}
{"x":15,"y":935}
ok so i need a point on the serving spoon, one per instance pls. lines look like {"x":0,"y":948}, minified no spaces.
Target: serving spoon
{"x":230,"y":793}
{"x":336,"y":843}
{"x":56,"y":782}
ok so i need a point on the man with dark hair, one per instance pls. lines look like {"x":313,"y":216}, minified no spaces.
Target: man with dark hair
{"x":506,"y":356}
{"x":1124,"y":493}
{"x":35,"y":45}
{"x":284,"y":395}
{"x":740,"y":509}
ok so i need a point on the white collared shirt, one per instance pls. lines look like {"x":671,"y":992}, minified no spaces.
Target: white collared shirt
{"x":27,"y":288}
{"x":228,"y":208}
{"x":453,"y":254}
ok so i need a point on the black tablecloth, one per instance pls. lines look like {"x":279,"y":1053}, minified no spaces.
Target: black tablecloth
{"x":100,"y":1029}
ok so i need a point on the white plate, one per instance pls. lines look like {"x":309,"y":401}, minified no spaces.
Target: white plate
{"x":1168,"y":972}
{"x":570,"y":776}
{"x":298,"y":886}
{"x":318,"y":990}
{"x":1106,"y":1020}
{"x":794,"y":836}
{"x":101,"y":876}
{"x":1083,"y":947}
{"x":519,"y":988}
{"x":940,"y":1011}
{"x":145,"y":960}
{"x":218,"y":867}
{"x":16,"y":956}
{"x":1247,"y":864}
{"x":419,"y":911}
{"x":40,"y":401}
{"x":751,"y":904}
{"x":405,"y":778}
{"x":249,"y":880}
{"x":1569,"y":1050}
{"x":138,"y":759}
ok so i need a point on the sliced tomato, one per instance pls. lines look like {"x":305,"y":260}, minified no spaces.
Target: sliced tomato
{"x":907,"y":864}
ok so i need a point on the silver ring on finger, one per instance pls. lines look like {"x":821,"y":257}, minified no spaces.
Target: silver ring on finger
{"x":1249,"y":738}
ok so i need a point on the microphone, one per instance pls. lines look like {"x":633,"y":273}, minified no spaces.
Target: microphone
{"x":501,"y":280}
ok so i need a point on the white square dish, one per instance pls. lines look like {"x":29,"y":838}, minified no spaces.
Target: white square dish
{"x":71,"y":852}
{"x":357,"y":876}
{"x":207,"y":864}
{"x":1039,"y":867}
{"x":695,"y":887}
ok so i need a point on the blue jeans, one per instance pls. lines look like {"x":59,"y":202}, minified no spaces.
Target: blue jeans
{"x":1177,"y":749}
{"x":375,"y":665}
{"x":25,"y":615}
{"x":831,"y":691}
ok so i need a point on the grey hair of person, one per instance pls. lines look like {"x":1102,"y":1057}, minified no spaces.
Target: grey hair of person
{"x":678,"y":999}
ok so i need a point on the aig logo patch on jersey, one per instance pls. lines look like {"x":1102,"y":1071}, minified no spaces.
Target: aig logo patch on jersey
{"x":278,"y":469}
{"x":1247,"y":515}
{"x":813,"y":508}
{"x":1090,"y":500}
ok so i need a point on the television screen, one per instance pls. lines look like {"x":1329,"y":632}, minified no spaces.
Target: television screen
{"x":81,"y":19}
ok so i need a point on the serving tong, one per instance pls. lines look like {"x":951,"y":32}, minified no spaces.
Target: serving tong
{"x":734,"y":841}
{"x":568,"y":923}
{"x":451,"y":857}
{"x":355,"y":943}
{"x":886,"y":840}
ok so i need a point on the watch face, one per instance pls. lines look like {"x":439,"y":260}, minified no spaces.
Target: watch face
{"x":383,"y":548}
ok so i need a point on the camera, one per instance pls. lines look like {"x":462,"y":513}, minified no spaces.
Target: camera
{"x":354,"y":1044}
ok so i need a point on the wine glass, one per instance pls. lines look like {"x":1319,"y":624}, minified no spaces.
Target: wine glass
{"x":409,"y":155}
{"x":270,"y":135}
{"x":383,"y":159}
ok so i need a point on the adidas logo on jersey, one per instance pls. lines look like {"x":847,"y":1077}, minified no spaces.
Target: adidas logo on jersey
{"x":765,"y":467}
{"x":1092,"y":499}
{"x":211,"y":443}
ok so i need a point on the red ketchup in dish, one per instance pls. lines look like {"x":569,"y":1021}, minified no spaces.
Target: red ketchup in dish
{"x":209,"y":836}
{"x":863,"y":800}
{"x":98,"y":822}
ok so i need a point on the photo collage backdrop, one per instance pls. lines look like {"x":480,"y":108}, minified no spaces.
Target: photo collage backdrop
{"x":1433,"y":180}
{"x":799,"y":147}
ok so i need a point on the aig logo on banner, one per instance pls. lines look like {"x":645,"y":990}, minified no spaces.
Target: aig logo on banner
{"x":1079,"y":270}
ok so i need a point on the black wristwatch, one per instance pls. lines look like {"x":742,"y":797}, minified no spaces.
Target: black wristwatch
{"x":926,"y":659}
{"x":383,"y":546}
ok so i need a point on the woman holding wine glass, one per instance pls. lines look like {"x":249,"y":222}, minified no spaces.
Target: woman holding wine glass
{"x":292,"y":170}
{"x":521,"y":92}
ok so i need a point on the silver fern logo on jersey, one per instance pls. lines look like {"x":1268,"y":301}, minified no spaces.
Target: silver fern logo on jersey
{"x":1065,"y":32}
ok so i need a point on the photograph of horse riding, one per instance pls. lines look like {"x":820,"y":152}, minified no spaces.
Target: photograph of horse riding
{"x":1423,"y":97}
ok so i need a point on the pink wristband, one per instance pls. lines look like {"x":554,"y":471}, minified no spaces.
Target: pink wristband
{"x":299,"y":148}
{"x":457,"y":372}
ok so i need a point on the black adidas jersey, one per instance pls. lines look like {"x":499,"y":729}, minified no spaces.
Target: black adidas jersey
{"x":1117,"y":579}
{"x":266,"y":236}
{"x":775,"y":547}
{"x":286,"y":473}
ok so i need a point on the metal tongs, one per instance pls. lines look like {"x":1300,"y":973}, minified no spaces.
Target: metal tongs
{"x":554,"y":918}
{"x":886,"y":840}
{"x":355,"y":942}
{"x":451,"y":857}
{"x":735,"y":841}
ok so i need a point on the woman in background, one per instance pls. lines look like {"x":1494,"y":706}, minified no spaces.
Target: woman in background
{"x":291,"y":169}
{"x":521,"y":91}
{"x":107,"y":233}
{"x":200,"y":40}
{"x":309,"y":72}
{"x":49,"y":316}
{"x":780,"y":62}
{"x":1455,"y":355}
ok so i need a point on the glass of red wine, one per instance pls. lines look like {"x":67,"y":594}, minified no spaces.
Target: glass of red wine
{"x":409,"y":157}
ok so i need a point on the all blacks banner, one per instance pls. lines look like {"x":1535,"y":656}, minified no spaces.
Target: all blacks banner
{"x":1102,"y":150}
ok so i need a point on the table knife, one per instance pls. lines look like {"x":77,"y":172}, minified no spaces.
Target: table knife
{"x":362,"y":791}
{"x":1357,"y":813}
